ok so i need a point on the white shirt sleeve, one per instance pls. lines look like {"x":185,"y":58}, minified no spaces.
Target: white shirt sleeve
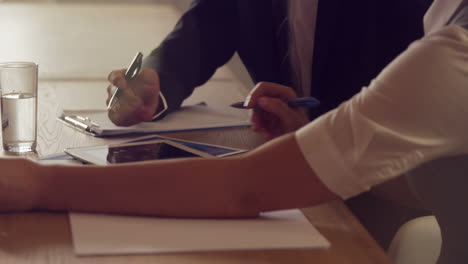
{"x":416,"y":110}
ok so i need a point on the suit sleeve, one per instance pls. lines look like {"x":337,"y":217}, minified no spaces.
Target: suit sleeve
{"x":204,"y":39}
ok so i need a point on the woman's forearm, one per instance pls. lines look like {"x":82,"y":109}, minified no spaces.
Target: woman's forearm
{"x":189,"y":187}
{"x":275,"y":176}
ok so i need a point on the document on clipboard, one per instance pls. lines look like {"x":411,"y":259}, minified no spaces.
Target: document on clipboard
{"x":188,"y":118}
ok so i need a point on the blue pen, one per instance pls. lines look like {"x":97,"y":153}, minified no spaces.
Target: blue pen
{"x":309,"y":102}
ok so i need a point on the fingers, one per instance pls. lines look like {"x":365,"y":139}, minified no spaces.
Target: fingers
{"x":274,"y":117}
{"x":125,"y":112}
{"x":146,"y":86}
{"x":276,"y":107}
{"x":263,"y":89}
{"x":139,"y":98}
{"x":117,"y":78}
{"x":149,"y":77}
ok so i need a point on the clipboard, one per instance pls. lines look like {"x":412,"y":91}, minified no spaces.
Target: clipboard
{"x":188,"y":118}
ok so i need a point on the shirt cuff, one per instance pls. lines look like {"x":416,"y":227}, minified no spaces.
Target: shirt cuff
{"x":326,"y":160}
{"x":162,"y":108}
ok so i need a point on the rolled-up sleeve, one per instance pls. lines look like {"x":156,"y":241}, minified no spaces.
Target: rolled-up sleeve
{"x":416,"y":110}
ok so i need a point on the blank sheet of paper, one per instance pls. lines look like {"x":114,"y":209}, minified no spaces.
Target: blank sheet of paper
{"x":113,"y":235}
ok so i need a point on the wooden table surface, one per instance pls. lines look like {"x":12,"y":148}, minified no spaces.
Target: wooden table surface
{"x":71,"y":78}
{"x":41,"y":237}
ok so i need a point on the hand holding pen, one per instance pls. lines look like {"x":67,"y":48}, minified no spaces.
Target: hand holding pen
{"x":132,"y":71}
{"x":277,"y":109}
{"x":133,"y":95}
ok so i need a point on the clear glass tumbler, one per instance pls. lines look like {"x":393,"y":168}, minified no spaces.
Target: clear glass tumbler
{"x":18,"y":90}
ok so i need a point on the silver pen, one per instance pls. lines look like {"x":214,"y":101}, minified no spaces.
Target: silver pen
{"x":132,"y":71}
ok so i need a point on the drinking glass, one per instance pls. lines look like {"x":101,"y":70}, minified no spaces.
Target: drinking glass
{"x":18,"y":90}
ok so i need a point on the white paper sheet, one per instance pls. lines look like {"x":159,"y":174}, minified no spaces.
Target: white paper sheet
{"x":188,"y":118}
{"x":115,"y":235}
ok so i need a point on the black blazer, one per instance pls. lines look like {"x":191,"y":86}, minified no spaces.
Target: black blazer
{"x":354,"y":41}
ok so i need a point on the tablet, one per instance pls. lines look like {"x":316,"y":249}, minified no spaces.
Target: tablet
{"x":214,"y":150}
{"x":145,"y":151}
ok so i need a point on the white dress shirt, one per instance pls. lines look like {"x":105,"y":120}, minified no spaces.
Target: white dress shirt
{"x":302,"y":18}
{"x":414,"y":111}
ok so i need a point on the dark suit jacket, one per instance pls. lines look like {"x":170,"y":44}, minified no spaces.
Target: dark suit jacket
{"x":354,"y":41}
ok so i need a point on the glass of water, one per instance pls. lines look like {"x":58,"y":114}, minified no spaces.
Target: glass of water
{"x":18,"y":89}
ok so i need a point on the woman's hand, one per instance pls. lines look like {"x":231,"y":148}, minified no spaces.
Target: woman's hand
{"x":18,"y":189}
{"x":273,"y":117}
{"x":139,"y":98}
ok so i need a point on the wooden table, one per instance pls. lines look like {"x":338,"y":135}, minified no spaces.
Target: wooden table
{"x":57,"y":30}
{"x":41,"y":237}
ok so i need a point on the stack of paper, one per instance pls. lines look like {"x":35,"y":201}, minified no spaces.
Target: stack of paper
{"x":188,"y":118}
{"x":107,"y":234}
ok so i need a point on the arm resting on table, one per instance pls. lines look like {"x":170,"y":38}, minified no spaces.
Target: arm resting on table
{"x":275,"y":176}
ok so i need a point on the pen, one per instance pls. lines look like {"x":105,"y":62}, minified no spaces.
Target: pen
{"x":309,"y":102}
{"x":130,"y":73}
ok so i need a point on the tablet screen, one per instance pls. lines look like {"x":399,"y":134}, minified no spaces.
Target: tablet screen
{"x":214,"y":150}
{"x":143,"y":152}
{"x":148,"y":148}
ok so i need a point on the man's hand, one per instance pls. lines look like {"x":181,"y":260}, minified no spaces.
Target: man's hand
{"x":139,"y":98}
{"x":18,"y":189}
{"x":273,"y":117}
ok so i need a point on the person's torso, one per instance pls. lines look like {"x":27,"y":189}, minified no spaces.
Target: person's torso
{"x":354,"y":41}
